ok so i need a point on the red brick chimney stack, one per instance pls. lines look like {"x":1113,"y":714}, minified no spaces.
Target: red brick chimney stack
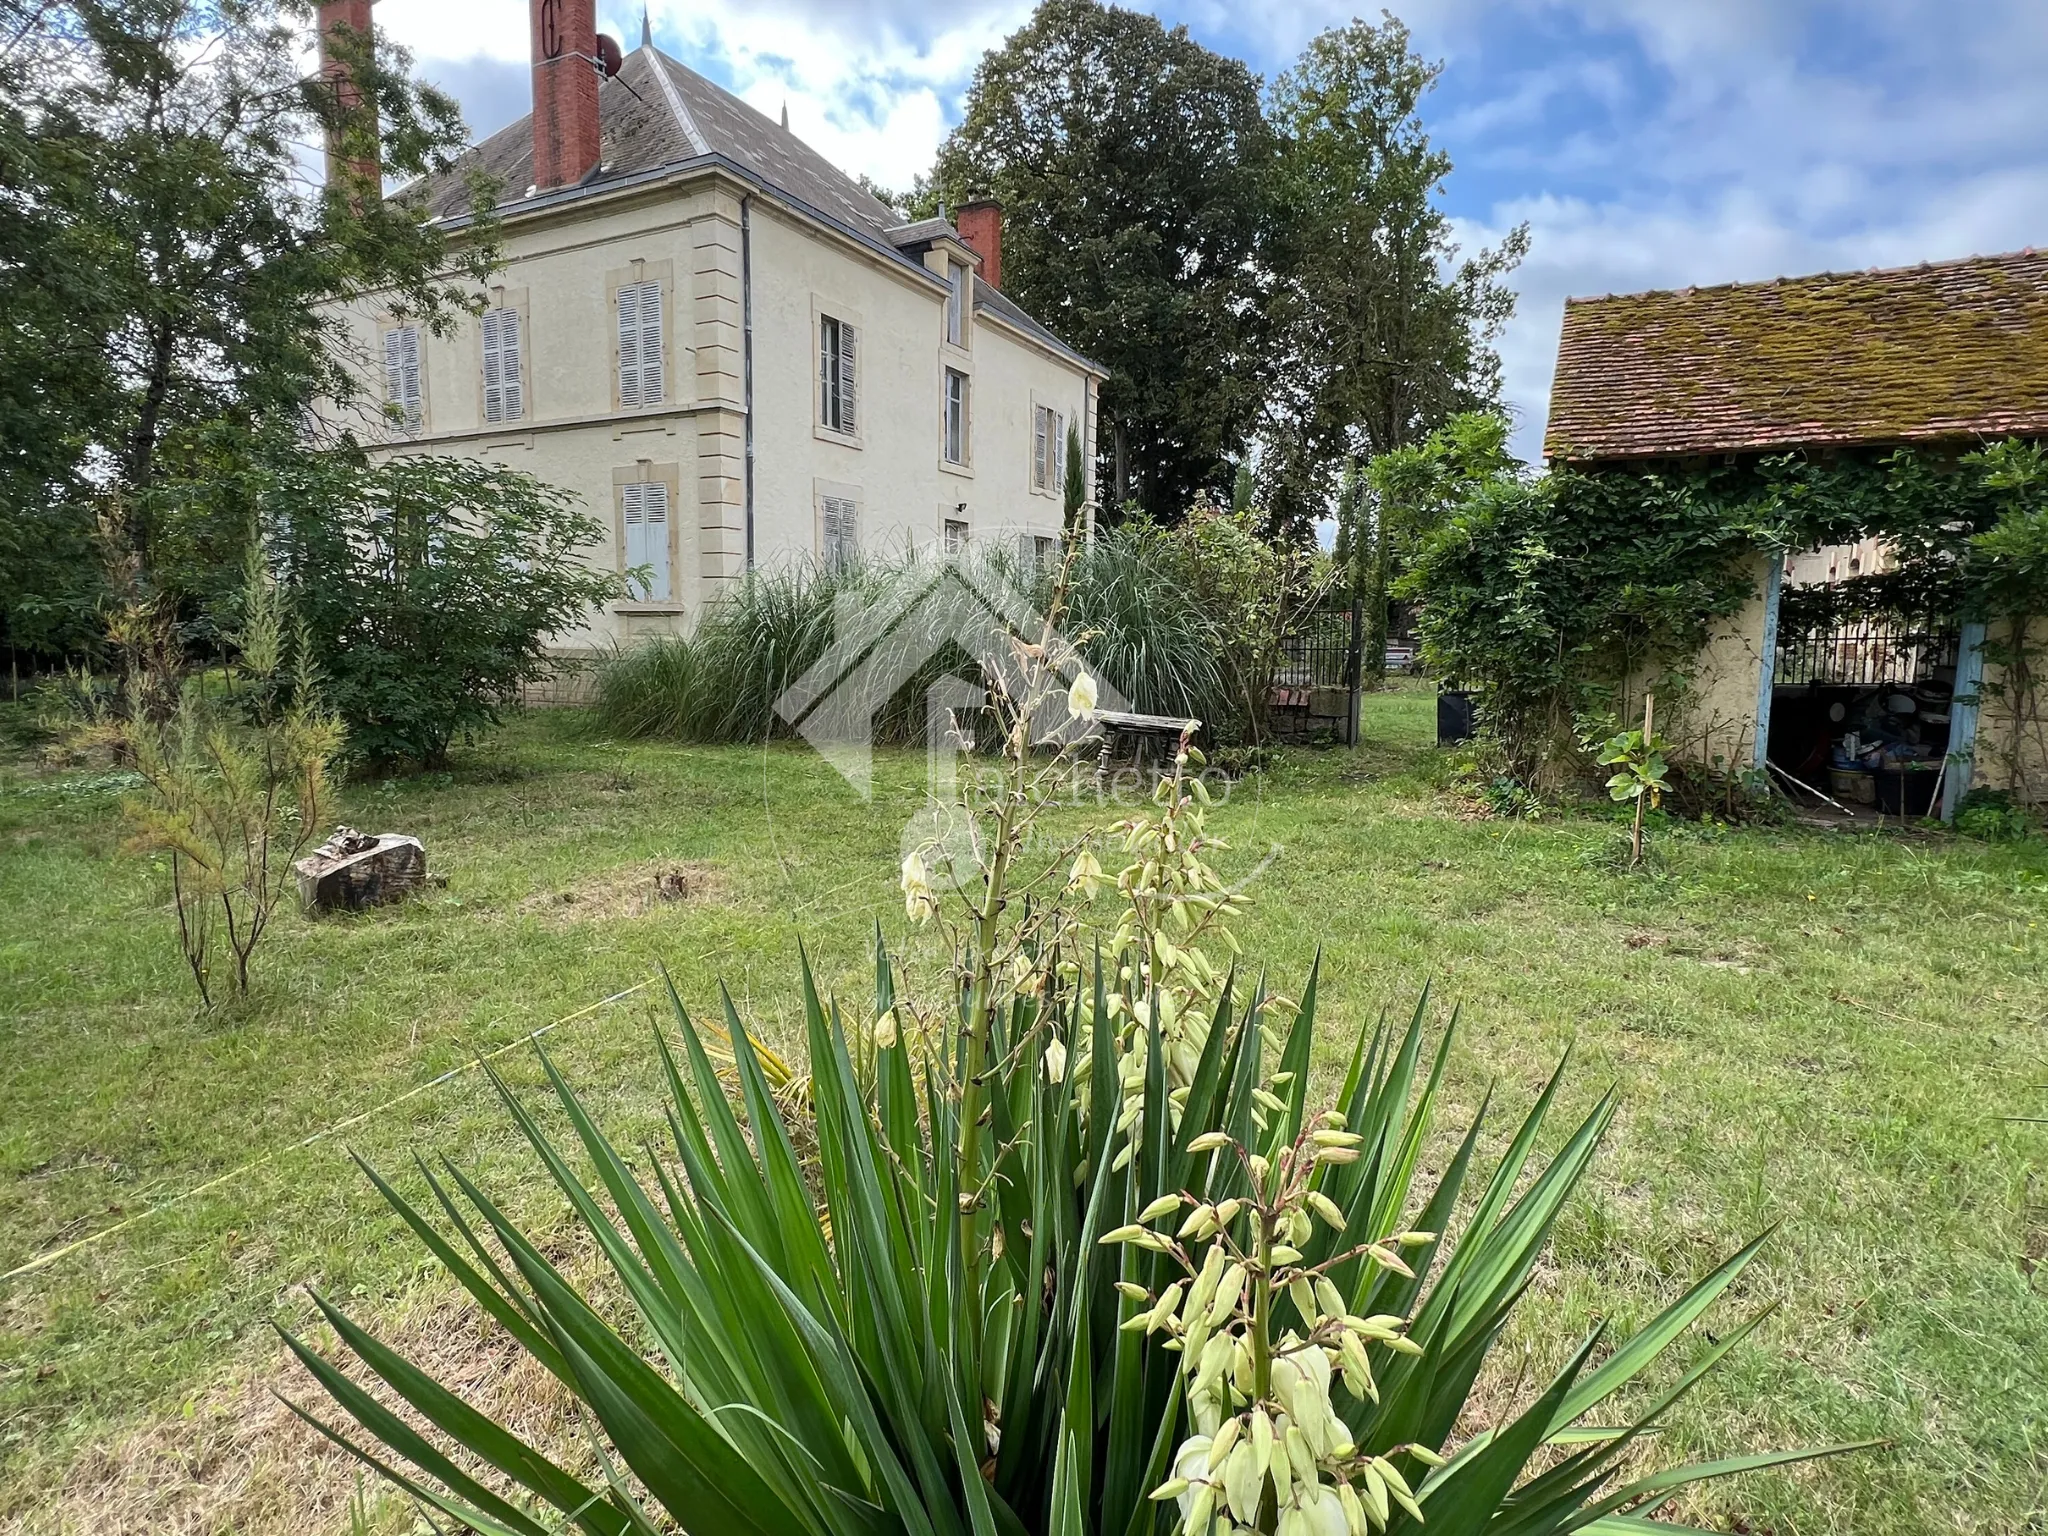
{"x":352,"y":17}
{"x":565,"y":82}
{"x":981,"y":227}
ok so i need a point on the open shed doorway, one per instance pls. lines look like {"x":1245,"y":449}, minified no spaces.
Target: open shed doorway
{"x":1862,"y":698}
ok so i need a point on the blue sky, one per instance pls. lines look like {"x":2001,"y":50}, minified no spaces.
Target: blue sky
{"x":1648,"y":143}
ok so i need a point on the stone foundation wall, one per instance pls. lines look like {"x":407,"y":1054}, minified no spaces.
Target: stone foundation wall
{"x":2004,"y":743}
{"x":572,"y":681}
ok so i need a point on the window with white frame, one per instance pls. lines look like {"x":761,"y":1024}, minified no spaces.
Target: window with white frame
{"x":642,"y":357}
{"x":1048,"y":449}
{"x":504,"y":383}
{"x":402,"y":375}
{"x":956,"y":302}
{"x":838,"y":371}
{"x":956,"y":535}
{"x":838,"y":532}
{"x":956,"y":417}
{"x":643,"y":508}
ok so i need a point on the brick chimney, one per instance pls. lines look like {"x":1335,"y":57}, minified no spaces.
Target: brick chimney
{"x":353,"y":18}
{"x":981,"y":227}
{"x":565,"y":81}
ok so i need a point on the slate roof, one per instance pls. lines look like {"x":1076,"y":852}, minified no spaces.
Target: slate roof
{"x":658,"y":115}
{"x":1954,"y":349}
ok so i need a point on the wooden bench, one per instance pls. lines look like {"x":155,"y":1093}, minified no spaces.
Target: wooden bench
{"x":1144,"y":742}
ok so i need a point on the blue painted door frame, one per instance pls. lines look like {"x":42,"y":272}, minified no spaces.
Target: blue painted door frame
{"x":1962,"y":719}
{"x":1767,"y":669}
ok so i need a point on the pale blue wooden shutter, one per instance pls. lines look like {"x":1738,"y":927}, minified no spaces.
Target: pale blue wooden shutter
{"x":849,"y":387}
{"x":644,"y":511}
{"x":841,"y":534}
{"x":504,"y":393}
{"x":641,"y":380}
{"x":402,"y":373}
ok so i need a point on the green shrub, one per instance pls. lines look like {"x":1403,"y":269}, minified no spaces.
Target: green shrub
{"x":1993,"y":816}
{"x":429,"y":588}
{"x":232,"y":790}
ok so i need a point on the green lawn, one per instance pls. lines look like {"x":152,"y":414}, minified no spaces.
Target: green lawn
{"x":1830,"y":1033}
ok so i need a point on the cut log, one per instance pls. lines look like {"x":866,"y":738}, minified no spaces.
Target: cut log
{"x":353,"y":870}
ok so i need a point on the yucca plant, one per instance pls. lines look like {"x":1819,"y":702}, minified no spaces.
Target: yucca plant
{"x":810,"y":1358}
{"x":955,"y":1317}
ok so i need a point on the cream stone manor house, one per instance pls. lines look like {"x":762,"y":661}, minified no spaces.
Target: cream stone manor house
{"x":723,"y":344}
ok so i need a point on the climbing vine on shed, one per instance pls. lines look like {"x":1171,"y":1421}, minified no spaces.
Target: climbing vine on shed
{"x":1544,"y":593}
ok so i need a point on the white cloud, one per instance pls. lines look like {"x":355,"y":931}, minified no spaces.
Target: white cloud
{"x":871,"y":98}
{"x":1647,"y":143}
{"x":872,"y":86}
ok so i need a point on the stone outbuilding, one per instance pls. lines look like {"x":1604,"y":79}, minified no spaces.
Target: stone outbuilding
{"x":1944,"y":356}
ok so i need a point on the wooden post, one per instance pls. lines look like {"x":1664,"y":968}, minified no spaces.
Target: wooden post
{"x":1642,"y":793}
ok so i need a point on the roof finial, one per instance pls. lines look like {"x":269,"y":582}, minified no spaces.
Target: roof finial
{"x":646,"y":29}
{"x":785,"y":114}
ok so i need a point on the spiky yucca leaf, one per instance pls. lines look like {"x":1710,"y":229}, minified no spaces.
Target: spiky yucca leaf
{"x":809,"y":1358}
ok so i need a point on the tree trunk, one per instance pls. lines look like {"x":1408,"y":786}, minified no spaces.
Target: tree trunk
{"x":142,"y":443}
{"x":1121,"y":467}
{"x":1374,"y":662}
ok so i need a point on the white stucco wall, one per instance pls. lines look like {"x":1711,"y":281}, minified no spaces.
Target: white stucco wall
{"x":1711,"y":720}
{"x":561,"y":270}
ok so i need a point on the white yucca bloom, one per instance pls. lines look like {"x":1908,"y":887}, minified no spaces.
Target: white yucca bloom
{"x":918,"y":900}
{"x":1055,"y":1061}
{"x":1082,"y":697}
{"x":1086,"y":875}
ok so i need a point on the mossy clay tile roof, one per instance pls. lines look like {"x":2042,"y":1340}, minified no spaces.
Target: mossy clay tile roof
{"x":1955,"y":350}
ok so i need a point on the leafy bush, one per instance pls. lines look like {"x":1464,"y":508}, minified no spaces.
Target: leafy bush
{"x":1004,"y":1297}
{"x":2007,"y":568}
{"x":1642,"y":775}
{"x":1546,"y":594}
{"x":429,"y":588}
{"x":1993,"y":816}
{"x":1508,"y":799}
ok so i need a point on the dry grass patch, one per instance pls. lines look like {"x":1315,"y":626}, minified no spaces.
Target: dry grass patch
{"x":630,"y":890}
{"x":238,"y":1460}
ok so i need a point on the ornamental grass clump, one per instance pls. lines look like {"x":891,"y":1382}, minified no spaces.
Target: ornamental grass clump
{"x":1022,"y":1281}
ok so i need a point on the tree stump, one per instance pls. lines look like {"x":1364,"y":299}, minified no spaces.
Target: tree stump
{"x":353,"y":870}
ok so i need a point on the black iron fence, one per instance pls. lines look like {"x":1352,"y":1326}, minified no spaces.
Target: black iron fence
{"x":1315,"y":685}
{"x":1863,"y":649}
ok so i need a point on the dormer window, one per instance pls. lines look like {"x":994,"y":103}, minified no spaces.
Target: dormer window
{"x":956,"y":303}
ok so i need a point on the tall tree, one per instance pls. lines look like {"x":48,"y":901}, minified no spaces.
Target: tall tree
{"x":1132,"y":164}
{"x":170,"y":270}
{"x":1380,"y":331}
{"x":1413,"y":491}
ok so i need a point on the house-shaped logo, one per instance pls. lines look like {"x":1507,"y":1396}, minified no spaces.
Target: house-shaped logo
{"x":882,"y":639}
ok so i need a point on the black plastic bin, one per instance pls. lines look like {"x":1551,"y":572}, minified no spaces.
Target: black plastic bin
{"x":1454,"y":714}
{"x":1906,"y":791}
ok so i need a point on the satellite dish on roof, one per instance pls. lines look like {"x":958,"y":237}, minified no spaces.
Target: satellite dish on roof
{"x":609,"y":57}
